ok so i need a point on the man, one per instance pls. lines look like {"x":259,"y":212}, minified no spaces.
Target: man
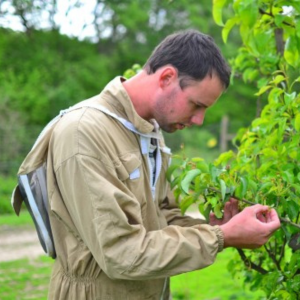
{"x":118,"y":233}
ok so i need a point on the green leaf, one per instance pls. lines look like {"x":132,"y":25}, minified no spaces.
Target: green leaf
{"x":297,"y":122}
{"x":248,"y":11}
{"x":217,"y":11}
{"x":225,"y":157}
{"x":253,"y":186}
{"x":269,"y":152}
{"x":174,"y":182}
{"x":202,"y":166}
{"x":278,"y":79}
{"x":291,"y":51}
{"x":266,"y":186}
{"x":190,"y":175}
{"x":197,"y":159}
{"x":288,"y":176}
{"x":263,"y":89}
{"x":244,"y":183}
{"x":217,"y":210}
{"x":227,"y":28}
{"x":170,"y":171}
{"x":292,"y":209}
{"x":206,"y":210}
{"x":223,"y":189}
{"x":185,"y":203}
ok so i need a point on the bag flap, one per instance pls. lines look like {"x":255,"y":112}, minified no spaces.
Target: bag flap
{"x":17,"y":200}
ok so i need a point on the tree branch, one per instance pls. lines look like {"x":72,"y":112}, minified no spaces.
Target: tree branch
{"x":249,"y":264}
{"x":271,"y":15}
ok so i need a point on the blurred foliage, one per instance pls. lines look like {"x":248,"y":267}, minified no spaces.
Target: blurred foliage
{"x":43,"y":71}
{"x":46,"y":72}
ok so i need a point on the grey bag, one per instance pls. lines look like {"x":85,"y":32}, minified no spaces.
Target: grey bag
{"x":32,"y":185}
{"x":33,"y":189}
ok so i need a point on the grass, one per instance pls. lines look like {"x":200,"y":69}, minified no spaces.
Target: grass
{"x":25,"y":279}
{"x":12,"y":220}
{"x":29,"y":279}
{"x":213,"y":282}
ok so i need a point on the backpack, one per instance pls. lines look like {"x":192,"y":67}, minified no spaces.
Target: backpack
{"x":32,"y":186}
{"x":32,"y":177}
{"x":32,"y":183}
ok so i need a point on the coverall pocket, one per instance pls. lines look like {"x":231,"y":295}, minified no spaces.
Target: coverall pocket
{"x":128,"y":166}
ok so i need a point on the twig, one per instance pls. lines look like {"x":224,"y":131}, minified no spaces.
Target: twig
{"x":271,"y":15}
{"x":273,"y":257}
{"x":248,"y":263}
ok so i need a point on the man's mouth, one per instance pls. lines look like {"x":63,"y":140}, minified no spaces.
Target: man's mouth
{"x":180,"y":126}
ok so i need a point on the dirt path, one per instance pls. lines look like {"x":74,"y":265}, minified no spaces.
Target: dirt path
{"x":18,"y":243}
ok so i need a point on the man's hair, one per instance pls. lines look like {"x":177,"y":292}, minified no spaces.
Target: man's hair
{"x":194,"y":54}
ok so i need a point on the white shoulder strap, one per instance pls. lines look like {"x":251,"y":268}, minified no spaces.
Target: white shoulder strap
{"x":125,"y":122}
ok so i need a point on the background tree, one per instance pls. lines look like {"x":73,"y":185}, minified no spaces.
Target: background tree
{"x":43,"y":71}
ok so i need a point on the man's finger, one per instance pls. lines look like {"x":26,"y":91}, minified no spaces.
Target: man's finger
{"x":234,"y":206}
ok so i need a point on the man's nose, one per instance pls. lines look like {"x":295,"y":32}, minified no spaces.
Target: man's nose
{"x":198,"y":118}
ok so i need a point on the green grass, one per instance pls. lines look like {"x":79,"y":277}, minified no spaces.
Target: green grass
{"x":12,"y":220}
{"x":25,"y":279}
{"x":213,"y":282}
{"x":29,"y":279}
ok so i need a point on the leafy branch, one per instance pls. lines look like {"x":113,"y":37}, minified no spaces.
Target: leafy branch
{"x":272,"y":15}
{"x":284,"y":220}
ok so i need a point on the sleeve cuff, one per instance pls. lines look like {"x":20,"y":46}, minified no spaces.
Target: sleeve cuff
{"x":219,"y":233}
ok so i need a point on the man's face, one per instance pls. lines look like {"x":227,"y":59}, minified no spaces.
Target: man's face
{"x":177,"y":108}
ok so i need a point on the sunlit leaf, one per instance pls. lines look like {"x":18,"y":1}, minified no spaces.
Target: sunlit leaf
{"x":170,"y":171}
{"x":185,"y":203}
{"x":297,"y":122}
{"x":291,"y":51}
{"x":263,"y":89}
{"x":217,"y":210}
{"x":278,"y":79}
{"x":223,"y":189}
{"x":244,"y":183}
{"x":225,"y":157}
{"x":185,"y":183}
{"x":227,"y":28}
{"x":218,"y":10}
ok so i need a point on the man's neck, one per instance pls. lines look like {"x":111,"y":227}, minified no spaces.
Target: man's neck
{"x":139,"y":90}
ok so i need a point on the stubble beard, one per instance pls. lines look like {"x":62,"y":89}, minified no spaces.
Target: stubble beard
{"x":162,"y":111}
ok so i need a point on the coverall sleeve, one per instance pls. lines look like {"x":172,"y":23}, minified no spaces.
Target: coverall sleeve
{"x":108,"y":219}
{"x":173,"y":214}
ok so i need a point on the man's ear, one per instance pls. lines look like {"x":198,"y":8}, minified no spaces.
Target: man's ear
{"x":167,"y":76}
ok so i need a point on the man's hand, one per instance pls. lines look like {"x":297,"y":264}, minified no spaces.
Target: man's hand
{"x":250,"y":228}
{"x":230,"y":210}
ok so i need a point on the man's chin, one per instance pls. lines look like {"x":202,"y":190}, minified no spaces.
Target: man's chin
{"x":169,"y":130}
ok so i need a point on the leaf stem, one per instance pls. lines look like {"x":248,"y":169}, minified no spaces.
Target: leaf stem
{"x":248,"y":263}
